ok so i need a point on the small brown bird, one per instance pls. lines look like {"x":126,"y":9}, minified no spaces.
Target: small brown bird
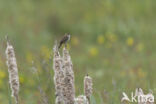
{"x":64,"y":40}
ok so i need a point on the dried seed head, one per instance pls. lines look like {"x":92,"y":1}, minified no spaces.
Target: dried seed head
{"x":58,"y":76}
{"x":88,"y":86}
{"x":13,"y":71}
{"x":81,"y":100}
{"x":68,"y":82}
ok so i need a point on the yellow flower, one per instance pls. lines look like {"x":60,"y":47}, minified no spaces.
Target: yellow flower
{"x":139,"y":47}
{"x":21,"y":79}
{"x":111,"y":37}
{"x":29,"y":57}
{"x":100,"y":39}
{"x":45,"y":52}
{"x":93,"y":51}
{"x":75,"y":40}
{"x":2,"y":75}
{"x":130,"y":41}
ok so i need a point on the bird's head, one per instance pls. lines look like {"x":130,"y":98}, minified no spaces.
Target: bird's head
{"x":68,"y":35}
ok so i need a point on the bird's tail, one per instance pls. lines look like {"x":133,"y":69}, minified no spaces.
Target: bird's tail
{"x":59,"y":46}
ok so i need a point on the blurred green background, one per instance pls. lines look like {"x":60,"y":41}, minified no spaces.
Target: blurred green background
{"x":112,"y":40}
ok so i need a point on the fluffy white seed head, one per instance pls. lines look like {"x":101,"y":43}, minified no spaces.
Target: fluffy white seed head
{"x":88,"y":86}
{"x":58,"y":75}
{"x":13,"y":71}
{"x":68,"y":86}
{"x":81,"y":100}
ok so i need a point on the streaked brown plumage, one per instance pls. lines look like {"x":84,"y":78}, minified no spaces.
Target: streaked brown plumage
{"x":64,"y":40}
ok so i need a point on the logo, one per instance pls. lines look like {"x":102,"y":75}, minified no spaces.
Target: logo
{"x":139,"y":97}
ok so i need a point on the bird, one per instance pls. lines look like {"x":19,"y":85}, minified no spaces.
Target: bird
{"x":64,"y":40}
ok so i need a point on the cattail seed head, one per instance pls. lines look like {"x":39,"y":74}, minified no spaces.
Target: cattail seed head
{"x":68,"y":82}
{"x":88,"y":86}
{"x":81,"y":100}
{"x":58,"y":76}
{"x":13,"y":71}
